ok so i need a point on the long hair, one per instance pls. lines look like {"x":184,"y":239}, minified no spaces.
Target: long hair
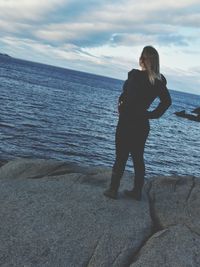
{"x":150,"y":59}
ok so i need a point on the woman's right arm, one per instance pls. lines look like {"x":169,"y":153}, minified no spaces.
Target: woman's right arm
{"x":124,"y":90}
{"x":122,"y":97}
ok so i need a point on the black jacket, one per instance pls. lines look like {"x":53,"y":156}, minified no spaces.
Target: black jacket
{"x":138,"y":94}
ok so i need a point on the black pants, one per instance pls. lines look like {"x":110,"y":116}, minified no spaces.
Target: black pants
{"x":130,"y":139}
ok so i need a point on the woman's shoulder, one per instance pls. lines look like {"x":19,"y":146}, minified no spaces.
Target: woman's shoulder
{"x":160,"y":82}
{"x":133,"y":73}
{"x":163,"y":79}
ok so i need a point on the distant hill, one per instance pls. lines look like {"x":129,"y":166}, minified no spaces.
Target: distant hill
{"x":4,"y":55}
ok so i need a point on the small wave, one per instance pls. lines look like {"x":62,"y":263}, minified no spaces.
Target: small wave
{"x":7,"y":125}
{"x":31,"y":125}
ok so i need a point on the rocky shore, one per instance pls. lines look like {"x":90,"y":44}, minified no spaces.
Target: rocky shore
{"x":54,"y":213}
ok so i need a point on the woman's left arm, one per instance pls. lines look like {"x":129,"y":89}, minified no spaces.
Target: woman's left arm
{"x":165,"y":102}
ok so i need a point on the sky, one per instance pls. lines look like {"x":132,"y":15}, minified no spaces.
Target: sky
{"x":106,"y":37}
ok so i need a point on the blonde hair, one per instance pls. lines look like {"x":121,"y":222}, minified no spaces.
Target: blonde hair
{"x":150,"y":59}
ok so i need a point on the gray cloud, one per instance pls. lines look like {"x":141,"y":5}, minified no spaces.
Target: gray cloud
{"x":96,"y":23}
{"x":175,"y":39}
{"x":31,"y":10}
{"x":126,"y":23}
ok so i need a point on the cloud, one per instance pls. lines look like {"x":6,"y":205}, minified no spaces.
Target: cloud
{"x":9,"y":27}
{"x":138,"y":39}
{"x":189,"y":20}
{"x":79,"y":33}
{"x":30,"y":10}
{"x":175,"y":39}
{"x":96,"y":23}
{"x":124,"y":22}
{"x":131,"y":39}
{"x":66,"y":51}
{"x":63,"y":53}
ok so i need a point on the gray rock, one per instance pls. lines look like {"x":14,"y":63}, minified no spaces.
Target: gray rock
{"x":2,"y":162}
{"x":175,"y":200}
{"x":38,"y":168}
{"x":175,"y":246}
{"x":62,"y":218}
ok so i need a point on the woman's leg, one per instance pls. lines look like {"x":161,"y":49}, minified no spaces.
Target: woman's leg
{"x":137,"y":154}
{"x":118,"y":168}
{"x":139,"y":167}
{"x":122,"y":153}
{"x":122,"y":149}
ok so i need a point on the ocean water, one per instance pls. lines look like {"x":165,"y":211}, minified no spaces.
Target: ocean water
{"x":51,"y":112}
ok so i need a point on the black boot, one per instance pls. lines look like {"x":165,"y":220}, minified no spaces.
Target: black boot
{"x":135,"y":194}
{"x":112,"y":191}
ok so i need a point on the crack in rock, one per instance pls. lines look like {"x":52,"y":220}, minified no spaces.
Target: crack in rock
{"x":191,"y":188}
{"x":155,"y":225}
{"x":191,"y":230}
{"x":53,"y":172}
{"x":155,"y":221}
{"x":176,"y":183}
{"x":94,"y":251}
{"x":115,"y":259}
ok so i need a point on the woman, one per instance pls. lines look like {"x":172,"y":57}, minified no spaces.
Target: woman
{"x":139,"y":91}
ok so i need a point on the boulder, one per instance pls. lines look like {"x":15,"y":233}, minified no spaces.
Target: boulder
{"x":38,"y":168}
{"x":175,"y":200}
{"x":175,"y":246}
{"x":191,"y":117}
{"x":196,"y":110}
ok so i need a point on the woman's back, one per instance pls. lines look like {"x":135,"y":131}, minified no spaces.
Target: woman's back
{"x":139,"y":93}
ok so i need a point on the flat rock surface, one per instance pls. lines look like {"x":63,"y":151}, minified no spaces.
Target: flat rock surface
{"x":55,"y":214}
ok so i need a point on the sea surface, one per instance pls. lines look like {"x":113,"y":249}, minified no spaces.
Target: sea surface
{"x":51,"y":112}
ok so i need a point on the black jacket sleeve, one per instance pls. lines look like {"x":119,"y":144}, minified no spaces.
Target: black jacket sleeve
{"x":121,"y":98}
{"x":124,"y":88}
{"x":165,"y":102}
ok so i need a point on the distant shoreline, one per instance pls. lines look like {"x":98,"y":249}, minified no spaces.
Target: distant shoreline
{"x":4,"y":55}
{"x":95,"y":74}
